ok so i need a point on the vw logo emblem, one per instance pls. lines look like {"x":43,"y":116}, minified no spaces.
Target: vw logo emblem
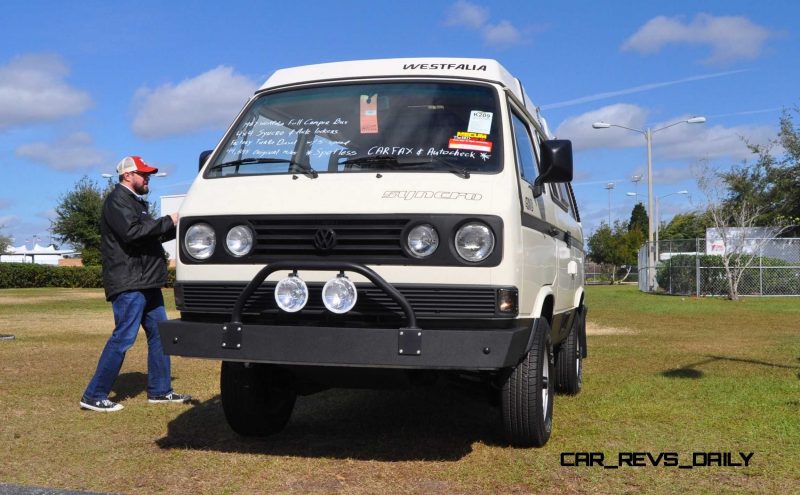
{"x":325,"y":240}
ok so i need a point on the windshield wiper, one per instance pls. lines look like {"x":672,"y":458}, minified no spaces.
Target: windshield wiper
{"x":399,"y":162}
{"x":306,"y":169}
{"x":378,"y":160}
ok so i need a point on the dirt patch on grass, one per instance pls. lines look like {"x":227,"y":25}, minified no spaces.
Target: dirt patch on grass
{"x":593,"y":329}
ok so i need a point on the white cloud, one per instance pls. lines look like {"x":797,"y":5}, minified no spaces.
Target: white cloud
{"x":463,"y":13}
{"x":32,"y":89}
{"x":579,"y":129}
{"x":208,"y":101}
{"x":73,"y":152}
{"x":712,"y":142}
{"x":502,"y":34}
{"x":683,"y":141}
{"x":472,"y":16}
{"x":730,"y":38}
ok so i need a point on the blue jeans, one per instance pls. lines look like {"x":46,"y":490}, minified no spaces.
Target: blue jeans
{"x":132,"y":309}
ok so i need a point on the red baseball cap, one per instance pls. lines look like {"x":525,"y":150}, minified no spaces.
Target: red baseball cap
{"x":134,"y":164}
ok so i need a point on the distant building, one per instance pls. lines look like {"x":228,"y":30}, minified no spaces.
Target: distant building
{"x":40,"y":255}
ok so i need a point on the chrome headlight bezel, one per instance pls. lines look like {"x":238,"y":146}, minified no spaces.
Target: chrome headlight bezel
{"x":200,"y":241}
{"x":424,"y":236}
{"x":474,"y":241}
{"x":239,"y":233}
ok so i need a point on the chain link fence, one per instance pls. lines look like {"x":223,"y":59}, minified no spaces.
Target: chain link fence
{"x":600,"y":273}
{"x":769,"y":267}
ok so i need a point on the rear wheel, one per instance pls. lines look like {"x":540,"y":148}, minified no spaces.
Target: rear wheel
{"x":257,"y":399}
{"x":569,"y":359}
{"x":527,"y":393}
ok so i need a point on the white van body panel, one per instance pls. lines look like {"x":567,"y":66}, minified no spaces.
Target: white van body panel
{"x":533,"y":261}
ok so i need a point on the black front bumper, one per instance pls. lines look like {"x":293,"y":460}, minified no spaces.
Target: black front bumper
{"x":341,"y":346}
{"x":408,"y":347}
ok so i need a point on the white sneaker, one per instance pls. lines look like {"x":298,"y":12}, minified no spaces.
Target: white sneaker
{"x":104,"y":405}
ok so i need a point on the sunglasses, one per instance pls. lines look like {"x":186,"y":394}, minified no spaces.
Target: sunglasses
{"x":143,"y":175}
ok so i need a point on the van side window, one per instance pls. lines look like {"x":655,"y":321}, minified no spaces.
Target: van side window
{"x":573,"y":204}
{"x":525,"y":154}
{"x":563,"y":195}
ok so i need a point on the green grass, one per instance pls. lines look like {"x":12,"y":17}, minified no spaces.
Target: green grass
{"x":664,"y":374}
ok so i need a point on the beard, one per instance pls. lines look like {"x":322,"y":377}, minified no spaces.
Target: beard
{"x":141,"y":189}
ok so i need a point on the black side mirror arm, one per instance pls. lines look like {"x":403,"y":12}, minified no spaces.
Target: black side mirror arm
{"x":537,"y":188}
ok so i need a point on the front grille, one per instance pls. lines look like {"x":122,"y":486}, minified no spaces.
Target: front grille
{"x":363,"y":238}
{"x":427,"y":301}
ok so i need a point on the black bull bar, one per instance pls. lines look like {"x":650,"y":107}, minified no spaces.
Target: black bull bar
{"x":343,"y":345}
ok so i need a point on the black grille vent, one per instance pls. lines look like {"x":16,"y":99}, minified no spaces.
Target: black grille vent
{"x":363,"y":238}
{"x":428,"y":302}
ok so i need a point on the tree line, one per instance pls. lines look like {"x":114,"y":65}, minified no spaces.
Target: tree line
{"x":761,"y":193}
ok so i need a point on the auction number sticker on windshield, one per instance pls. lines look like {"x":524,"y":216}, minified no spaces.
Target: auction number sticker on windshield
{"x":480,"y":122}
{"x":369,"y":114}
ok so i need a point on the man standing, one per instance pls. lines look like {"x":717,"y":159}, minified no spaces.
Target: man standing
{"x":134,"y":271}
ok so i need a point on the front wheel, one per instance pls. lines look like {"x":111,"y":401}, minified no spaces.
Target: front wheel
{"x":527,"y":393}
{"x":257,"y":399}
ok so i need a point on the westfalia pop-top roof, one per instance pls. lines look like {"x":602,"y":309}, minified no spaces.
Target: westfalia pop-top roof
{"x":468,"y":68}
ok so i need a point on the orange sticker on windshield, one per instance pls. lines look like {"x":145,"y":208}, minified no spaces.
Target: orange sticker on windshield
{"x":369,"y":114}
{"x":457,"y":143}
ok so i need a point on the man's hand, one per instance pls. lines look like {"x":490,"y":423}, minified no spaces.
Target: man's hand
{"x":174,"y":217}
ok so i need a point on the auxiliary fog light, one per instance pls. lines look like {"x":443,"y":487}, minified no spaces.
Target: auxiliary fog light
{"x":291,"y":293}
{"x":339,"y":294}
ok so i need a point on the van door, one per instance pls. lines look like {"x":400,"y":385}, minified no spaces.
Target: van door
{"x":570,"y":265}
{"x":538,"y":247}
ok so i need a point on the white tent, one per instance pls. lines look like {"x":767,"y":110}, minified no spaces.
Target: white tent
{"x":38,"y":254}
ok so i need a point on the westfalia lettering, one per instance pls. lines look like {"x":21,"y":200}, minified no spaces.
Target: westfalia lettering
{"x":409,"y":195}
{"x":444,"y":67}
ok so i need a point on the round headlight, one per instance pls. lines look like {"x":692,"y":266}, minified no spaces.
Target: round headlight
{"x":423,"y":240}
{"x":339,"y":295}
{"x":239,"y":240}
{"x":474,"y":241}
{"x":291,"y":294}
{"x":200,"y":241}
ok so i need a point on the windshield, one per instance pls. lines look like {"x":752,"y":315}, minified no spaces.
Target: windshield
{"x":397,"y":127}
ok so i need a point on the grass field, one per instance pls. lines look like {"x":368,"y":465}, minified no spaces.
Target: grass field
{"x":664,"y":375}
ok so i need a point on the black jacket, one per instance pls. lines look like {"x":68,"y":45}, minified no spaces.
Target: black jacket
{"x":133,"y":258}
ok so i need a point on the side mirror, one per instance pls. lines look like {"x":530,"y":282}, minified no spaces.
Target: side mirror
{"x":203,"y":157}
{"x":555,"y":164}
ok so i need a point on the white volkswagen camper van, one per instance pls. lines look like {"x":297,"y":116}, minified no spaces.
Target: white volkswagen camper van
{"x":379,"y":221}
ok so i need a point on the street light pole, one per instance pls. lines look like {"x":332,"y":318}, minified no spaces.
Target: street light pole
{"x":609,"y":187}
{"x":648,"y":136}
{"x":635,"y":179}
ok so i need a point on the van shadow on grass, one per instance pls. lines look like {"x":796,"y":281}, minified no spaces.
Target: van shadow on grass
{"x":689,"y":371}
{"x":432,"y":423}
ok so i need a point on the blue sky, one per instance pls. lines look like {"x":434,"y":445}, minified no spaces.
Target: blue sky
{"x":83,"y":84}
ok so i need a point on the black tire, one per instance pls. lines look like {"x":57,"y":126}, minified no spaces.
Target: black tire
{"x":257,"y":399}
{"x":569,"y":359}
{"x":527,"y":393}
